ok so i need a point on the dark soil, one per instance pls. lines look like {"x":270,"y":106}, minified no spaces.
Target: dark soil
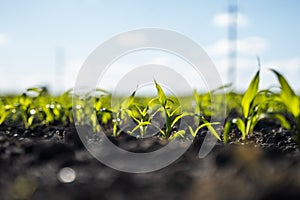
{"x":264,"y":166}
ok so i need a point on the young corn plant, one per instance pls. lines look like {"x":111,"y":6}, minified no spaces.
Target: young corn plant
{"x":292,"y":103}
{"x":5,"y":111}
{"x":205,"y":124}
{"x":171,"y":116}
{"x":203,"y":108}
{"x":251,"y":113}
{"x":140,"y":115}
{"x":119,"y":113}
{"x":174,"y":117}
{"x":103,"y":113}
{"x":26,"y":105}
{"x":204,"y":104}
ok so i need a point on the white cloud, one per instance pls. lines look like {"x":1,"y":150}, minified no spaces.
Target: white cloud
{"x":226,"y":19}
{"x":247,"y":46}
{"x":219,"y":48}
{"x":290,"y":65}
{"x":252,"y":45}
{"x":3,"y":39}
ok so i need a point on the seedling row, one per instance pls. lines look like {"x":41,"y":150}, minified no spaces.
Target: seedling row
{"x":216,"y":111}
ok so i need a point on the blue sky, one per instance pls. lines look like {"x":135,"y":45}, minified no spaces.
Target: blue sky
{"x":34,"y":33}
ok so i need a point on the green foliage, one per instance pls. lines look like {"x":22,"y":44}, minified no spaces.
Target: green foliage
{"x":251,"y":112}
{"x":140,"y":115}
{"x":288,"y":96}
{"x":36,"y":107}
{"x":161,"y":95}
{"x":292,"y":103}
{"x":249,"y":95}
{"x":171,"y":116}
{"x":208,"y":125}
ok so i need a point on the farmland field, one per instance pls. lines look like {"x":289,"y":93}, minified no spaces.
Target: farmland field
{"x":256,"y":155}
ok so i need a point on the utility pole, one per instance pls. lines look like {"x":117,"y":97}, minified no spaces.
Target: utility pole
{"x":232,"y":40}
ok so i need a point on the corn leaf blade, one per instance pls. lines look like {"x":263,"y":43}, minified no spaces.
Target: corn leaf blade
{"x":250,"y":95}
{"x":288,"y":96}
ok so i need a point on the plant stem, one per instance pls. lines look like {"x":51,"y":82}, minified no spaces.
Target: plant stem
{"x":168,"y":124}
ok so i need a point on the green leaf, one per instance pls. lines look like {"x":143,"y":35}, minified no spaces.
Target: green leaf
{"x":254,"y":120}
{"x":288,"y":96}
{"x":228,"y":85}
{"x":3,"y":116}
{"x":197,"y":97}
{"x":139,"y":110}
{"x":241,"y":126}
{"x":176,"y":110}
{"x":159,"y":129}
{"x":38,"y":91}
{"x":153,"y":101}
{"x":177,"y":118}
{"x":128,"y":101}
{"x":130,"y":113}
{"x":286,"y":124}
{"x":193,"y":133}
{"x":98,"y":104}
{"x":249,"y":124}
{"x":250,"y":95}
{"x":161,"y":95}
{"x":105,"y":117}
{"x":66,"y":93}
{"x":29,"y":121}
{"x":115,"y":129}
{"x":180,"y":133}
{"x":210,"y":128}
{"x":101,"y":91}
{"x":145,"y":111}
{"x":138,"y":126}
{"x":226,"y":131}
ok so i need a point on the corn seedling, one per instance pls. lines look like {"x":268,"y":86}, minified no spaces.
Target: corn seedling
{"x":171,"y":116}
{"x":292,"y":103}
{"x":175,"y":116}
{"x":251,"y":113}
{"x":136,"y":115}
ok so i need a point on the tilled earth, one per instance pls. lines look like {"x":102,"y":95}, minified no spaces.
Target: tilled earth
{"x":51,"y":163}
